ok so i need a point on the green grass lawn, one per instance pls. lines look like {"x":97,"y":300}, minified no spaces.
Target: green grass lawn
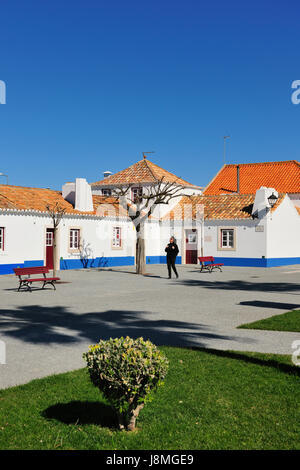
{"x":289,"y":321}
{"x":211,"y":400}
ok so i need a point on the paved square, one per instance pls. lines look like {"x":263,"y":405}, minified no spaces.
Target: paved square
{"x":47,"y":331}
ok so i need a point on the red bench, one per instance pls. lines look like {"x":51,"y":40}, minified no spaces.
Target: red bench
{"x":27,"y":281}
{"x":208,"y":263}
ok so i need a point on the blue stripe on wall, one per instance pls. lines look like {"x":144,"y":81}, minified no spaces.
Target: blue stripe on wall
{"x":257,"y":262}
{"x":8,"y":268}
{"x":129,"y":261}
{"x":282,"y":261}
{"x":102,"y":262}
{"x":160,"y":260}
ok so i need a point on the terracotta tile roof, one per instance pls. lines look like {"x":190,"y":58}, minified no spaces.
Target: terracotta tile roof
{"x":228,"y":206}
{"x":108,"y":206}
{"x":283,"y":176}
{"x":143,"y":171}
{"x":37,"y":199}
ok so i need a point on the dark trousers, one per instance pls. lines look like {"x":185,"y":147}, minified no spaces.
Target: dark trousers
{"x":171,"y":264}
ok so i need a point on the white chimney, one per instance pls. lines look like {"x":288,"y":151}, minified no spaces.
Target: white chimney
{"x":79,"y":194}
{"x":68,"y":193}
{"x":83,"y":196}
{"x":261,"y":202}
{"x":106,"y":174}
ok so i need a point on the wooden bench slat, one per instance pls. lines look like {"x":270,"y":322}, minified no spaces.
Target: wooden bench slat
{"x":210,"y":263}
{"x":25,"y":282}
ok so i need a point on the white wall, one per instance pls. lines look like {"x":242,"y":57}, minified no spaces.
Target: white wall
{"x":283,"y":233}
{"x":24,"y":237}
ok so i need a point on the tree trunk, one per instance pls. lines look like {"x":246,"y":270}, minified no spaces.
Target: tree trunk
{"x":140,"y":250}
{"x":133,"y":417}
{"x":121,"y":421}
{"x":54,"y":251}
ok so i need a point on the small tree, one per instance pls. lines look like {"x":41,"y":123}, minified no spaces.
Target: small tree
{"x":127,"y":371}
{"x":141,"y":207}
{"x":56,"y":212}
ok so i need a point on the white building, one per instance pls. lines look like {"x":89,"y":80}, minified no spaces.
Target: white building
{"x":95,"y":231}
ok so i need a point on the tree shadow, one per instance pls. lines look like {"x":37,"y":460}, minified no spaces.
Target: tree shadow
{"x":83,"y":412}
{"x":57,"y":325}
{"x":282,"y":287}
{"x":265,"y":304}
{"x":238,"y":356}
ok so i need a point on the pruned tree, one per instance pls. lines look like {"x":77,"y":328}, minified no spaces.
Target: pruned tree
{"x":141,"y":207}
{"x":56,"y":212}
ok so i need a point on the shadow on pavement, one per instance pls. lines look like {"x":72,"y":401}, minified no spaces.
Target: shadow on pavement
{"x":282,"y":287}
{"x":265,"y":304}
{"x":56,"y":325}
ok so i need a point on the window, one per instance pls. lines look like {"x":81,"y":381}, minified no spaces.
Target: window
{"x":49,"y":238}
{"x":227,"y":239}
{"x":135,"y":192}
{"x":1,"y":238}
{"x":106,"y":192}
{"x":74,"y":238}
{"x":116,"y":240}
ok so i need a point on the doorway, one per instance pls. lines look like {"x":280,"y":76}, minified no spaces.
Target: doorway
{"x":49,"y":247}
{"x":191,"y":245}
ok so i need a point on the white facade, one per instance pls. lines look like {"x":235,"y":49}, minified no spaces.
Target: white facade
{"x":269,"y":238}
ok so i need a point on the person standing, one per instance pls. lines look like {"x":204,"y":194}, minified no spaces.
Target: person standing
{"x":172,"y":251}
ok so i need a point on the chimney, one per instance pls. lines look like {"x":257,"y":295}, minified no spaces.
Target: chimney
{"x":261,"y":203}
{"x":238,"y":179}
{"x":79,"y":194}
{"x":68,"y":193}
{"x":106,"y":174}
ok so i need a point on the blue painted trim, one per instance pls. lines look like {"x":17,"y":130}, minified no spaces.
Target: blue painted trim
{"x":160,"y":260}
{"x":8,"y":268}
{"x":99,"y":262}
{"x":129,"y":261}
{"x":282,"y":261}
{"x":33,"y":263}
{"x":257,"y":262}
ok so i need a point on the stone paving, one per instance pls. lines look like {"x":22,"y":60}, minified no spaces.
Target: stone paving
{"x":47,"y":331}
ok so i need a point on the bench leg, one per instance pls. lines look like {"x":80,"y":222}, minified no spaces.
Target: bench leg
{"x":24,"y":284}
{"x":49,"y":282}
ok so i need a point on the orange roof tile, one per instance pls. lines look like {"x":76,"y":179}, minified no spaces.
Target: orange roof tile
{"x":228,"y":206}
{"x":143,"y":171}
{"x":37,"y":199}
{"x":283,"y":176}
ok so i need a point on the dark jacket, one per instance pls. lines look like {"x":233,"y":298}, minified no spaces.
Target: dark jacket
{"x":172,"y":250}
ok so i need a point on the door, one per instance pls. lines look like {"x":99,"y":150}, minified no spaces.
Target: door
{"x":49,"y":247}
{"x":191,"y":244}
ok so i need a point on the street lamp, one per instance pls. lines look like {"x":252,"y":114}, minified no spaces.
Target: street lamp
{"x":2,"y":174}
{"x":272,"y":200}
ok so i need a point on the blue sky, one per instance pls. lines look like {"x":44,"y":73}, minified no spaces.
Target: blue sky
{"x":92,"y":84}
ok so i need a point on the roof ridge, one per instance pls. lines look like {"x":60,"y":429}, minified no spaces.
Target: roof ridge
{"x":149,"y":168}
{"x":26,"y":187}
{"x":262,"y":163}
{"x":169,"y":172}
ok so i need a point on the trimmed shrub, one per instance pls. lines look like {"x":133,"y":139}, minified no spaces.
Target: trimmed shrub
{"x":127,"y":371}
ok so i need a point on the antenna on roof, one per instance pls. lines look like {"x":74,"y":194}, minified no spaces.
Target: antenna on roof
{"x":224,"y":149}
{"x":2,"y":174}
{"x":146,"y":153}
